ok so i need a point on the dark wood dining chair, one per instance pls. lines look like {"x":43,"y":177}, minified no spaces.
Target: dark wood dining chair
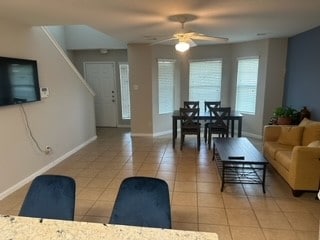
{"x":190,"y":124}
{"x":219,"y":122}
{"x":207,"y":104}
{"x":191,"y":104}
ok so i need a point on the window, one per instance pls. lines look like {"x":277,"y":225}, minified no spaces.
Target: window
{"x":125,"y":90}
{"x":205,"y":81}
{"x":166,"y":85}
{"x":247,"y":79}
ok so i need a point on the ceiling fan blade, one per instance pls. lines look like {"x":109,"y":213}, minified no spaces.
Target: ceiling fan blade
{"x":199,"y":36}
{"x":191,"y":43}
{"x":163,"y":41}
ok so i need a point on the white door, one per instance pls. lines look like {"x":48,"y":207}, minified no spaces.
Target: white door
{"x":101,"y":77}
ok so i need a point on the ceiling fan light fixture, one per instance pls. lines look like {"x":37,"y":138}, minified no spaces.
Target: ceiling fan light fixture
{"x":182,"y":46}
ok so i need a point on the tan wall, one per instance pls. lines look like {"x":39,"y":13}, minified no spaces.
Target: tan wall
{"x":252,"y":124}
{"x":275,"y":78}
{"x":272,"y":62}
{"x":140,"y":72}
{"x":65,"y":120}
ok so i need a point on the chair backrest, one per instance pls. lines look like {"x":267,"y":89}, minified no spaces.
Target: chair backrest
{"x":142,"y":201}
{"x":50,"y":196}
{"x":219,"y":117}
{"x":189,"y":117}
{"x":191,"y":104}
{"x":212,"y":104}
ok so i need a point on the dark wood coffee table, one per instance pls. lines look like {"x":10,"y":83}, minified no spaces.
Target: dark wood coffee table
{"x":238,"y":161}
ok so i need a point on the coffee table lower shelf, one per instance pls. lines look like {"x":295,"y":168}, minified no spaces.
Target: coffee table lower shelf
{"x":241,"y":173}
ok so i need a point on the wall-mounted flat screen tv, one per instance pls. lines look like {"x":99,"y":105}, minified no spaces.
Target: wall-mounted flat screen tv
{"x":19,"y":81}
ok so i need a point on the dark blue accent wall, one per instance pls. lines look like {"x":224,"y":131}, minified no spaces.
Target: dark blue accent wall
{"x":302,"y":84}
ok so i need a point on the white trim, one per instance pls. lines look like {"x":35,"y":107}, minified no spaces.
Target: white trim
{"x":162,"y":133}
{"x":44,"y":169}
{"x":249,"y":57}
{"x":141,"y":135}
{"x":65,"y":57}
{"x":123,"y":126}
{"x":205,"y":60}
{"x":246,"y":134}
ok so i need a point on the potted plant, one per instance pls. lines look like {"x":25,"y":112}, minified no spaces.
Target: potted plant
{"x":285,"y":115}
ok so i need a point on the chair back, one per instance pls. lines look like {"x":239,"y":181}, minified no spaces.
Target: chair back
{"x":191,"y":104}
{"x":142,"y":201}
{"x":50,"y":196}
{"x":212,"y":104}
{"x":219,"y":118}
{"x":189,"y":118}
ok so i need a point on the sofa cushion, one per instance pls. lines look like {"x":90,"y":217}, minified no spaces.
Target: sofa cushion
{"x":284,"y":158}
{"x":291,"y":135}
{"x":305,"y":122}
{"x":271,"y":148}
{"x":311,"y":133}
{"x":314,"y":144}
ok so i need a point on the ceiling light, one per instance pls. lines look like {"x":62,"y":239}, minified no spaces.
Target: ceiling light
{"x":182,"y":46}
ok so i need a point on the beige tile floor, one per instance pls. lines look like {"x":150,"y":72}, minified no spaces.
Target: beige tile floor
{"x":239,"y":212}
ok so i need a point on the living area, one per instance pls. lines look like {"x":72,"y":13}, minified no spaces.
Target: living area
{"x":241,"y":211}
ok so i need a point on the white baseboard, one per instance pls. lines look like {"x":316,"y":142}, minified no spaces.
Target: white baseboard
{"x":162,"y":133}
{"x":141,"y":135}
{"x":246,"y":134}
{"x":44,"y":169}
{"x":123,"y":126}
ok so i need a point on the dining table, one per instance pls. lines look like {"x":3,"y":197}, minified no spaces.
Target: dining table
{"x":205,"y":116}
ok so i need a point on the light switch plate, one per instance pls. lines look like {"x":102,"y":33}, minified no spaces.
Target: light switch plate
{"x":44,"y":92}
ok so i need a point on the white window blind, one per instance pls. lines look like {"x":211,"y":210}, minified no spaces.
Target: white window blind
{"x":205,"y":81}
{"x":125,"y":90}
{"x":247,"y":80}
{"x":166,"y":85}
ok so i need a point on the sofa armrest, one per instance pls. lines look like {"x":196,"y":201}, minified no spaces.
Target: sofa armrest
{"x":271,"y":133}
{"x":304,"y":172}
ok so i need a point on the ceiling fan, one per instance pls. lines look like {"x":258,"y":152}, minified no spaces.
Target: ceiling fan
{"x":186,"y":39}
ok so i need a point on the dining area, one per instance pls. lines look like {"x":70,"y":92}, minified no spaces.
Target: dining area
{"x":208,"y":121}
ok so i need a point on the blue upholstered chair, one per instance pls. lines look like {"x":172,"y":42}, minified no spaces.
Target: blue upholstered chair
{"x":142,"y":201}
{"x":50,"y":196}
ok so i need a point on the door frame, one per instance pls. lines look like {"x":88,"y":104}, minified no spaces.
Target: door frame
{"x":114,"y":82}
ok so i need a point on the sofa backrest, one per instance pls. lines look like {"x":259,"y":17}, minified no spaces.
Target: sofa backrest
{"x":311,"y":131}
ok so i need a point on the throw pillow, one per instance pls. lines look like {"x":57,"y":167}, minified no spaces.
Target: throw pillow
{"x":305,"y":122}
{"x":311,"y":133}
{"x":291,"y":135}
{"x":314,"y":144}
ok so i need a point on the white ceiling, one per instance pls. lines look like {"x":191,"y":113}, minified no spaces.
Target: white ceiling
{"x":133,"y":21}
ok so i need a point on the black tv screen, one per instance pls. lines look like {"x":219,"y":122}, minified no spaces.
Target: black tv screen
{"x":19,"y":81}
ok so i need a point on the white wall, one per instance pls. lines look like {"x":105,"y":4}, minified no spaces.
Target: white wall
{"x":85,"y":37}
{"x":59,"y":34}
{"x":65,"y":120}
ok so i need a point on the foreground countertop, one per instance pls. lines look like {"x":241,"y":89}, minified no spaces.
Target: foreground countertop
{"x":24,"y":228}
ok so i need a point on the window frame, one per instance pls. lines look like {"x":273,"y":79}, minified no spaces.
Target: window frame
{"x":121,"y":95}
{"x":248,"y":112}
{"x":220,"y":60}
{"x":160,"y":101}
